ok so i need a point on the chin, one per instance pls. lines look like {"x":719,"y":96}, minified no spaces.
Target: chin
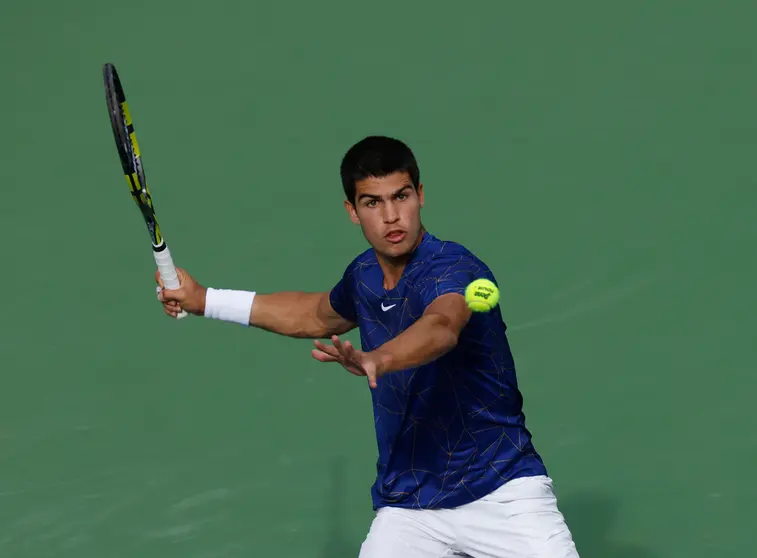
{"x":400,"y":250}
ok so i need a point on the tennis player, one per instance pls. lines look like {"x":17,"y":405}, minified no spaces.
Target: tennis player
{"x":457,"y":473}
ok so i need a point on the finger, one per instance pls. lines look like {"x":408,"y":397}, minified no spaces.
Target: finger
{"x":326,"y":349}
{"x":323,"y":357}
{"x":166,"y":301}
{"x":172,"y":295}
{"x":338,"y":344}
{"x":158,"y":279}
{"x":161,"y":298}
{"x":171,"y":307}
{"x":349,"y":350}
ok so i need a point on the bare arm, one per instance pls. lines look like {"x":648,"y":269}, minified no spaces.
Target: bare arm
{"x":432,"y":336}
{"x":297,"y":314}
{"x":294,"y":314}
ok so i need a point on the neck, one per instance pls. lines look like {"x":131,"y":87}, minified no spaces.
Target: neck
{"x":392,"y":268}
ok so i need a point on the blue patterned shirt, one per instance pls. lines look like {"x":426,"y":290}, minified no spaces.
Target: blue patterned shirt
{"x":453,"y":430}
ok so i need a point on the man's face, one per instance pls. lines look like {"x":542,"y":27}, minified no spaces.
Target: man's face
{"x":388,"y":209}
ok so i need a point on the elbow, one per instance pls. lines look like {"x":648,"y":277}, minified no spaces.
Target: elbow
{"x":447,"y":340}
{"x":444,"y":336}
{"x":298,"y":329}
{"x":309,"y":331}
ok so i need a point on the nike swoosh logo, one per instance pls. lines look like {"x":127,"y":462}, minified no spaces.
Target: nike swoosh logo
{"x":385,"y":308}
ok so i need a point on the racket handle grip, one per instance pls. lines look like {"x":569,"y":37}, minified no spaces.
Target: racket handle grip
{"x":168,"y":273}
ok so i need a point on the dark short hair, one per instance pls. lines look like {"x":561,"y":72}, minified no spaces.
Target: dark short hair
{"x":377,"y":156}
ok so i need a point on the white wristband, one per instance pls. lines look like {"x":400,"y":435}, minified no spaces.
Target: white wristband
{"x":229,"y":306}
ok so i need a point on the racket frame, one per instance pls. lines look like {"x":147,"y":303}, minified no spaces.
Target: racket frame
{"x":131,"y":163}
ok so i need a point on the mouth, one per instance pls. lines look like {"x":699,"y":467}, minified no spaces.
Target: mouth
{"x":395,"y":236}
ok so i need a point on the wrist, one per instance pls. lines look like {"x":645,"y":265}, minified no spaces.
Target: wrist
{"x":229,"y":305}
{"x":204,"y":299}
{"x":384,"y":361}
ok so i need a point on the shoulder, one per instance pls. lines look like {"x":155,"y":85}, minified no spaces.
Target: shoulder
{"x":446,"y":267}
{"x":446,"y":257}
{"x":361,"y":263}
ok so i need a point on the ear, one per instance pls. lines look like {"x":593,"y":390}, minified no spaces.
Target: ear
{"x":352,"y":212}
{"x":420,"y":193}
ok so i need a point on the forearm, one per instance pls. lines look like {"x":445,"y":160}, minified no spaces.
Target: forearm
{"x":428,"y":339}
{"x":294,"y":314}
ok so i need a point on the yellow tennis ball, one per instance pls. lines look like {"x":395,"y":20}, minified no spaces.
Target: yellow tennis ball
{"x":481,"y":295}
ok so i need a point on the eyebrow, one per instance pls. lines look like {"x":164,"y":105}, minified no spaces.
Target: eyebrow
{"x":376,"y":197}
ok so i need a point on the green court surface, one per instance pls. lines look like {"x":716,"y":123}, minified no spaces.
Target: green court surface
{"x":599,"y":156}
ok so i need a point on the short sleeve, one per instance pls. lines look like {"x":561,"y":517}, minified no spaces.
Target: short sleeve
{"x":451,"y":274}
{"x":342,"y":296}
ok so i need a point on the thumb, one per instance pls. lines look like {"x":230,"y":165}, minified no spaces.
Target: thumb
{"x":370,"y":372}
{"x":172,"y":295}
{"x":181,"y":275}
{"x":372,"y":381}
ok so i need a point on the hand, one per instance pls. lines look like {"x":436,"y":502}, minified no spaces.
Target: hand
{"x":190,"y":296}
{"x":356,"y":362}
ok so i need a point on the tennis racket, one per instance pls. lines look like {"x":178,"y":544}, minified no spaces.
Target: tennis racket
{"x":131,"y":161}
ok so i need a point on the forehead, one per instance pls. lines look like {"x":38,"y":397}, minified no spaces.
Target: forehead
{"x":384,"y":185}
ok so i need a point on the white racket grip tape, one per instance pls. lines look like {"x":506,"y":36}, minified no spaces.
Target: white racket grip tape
{"x":168,"y":273}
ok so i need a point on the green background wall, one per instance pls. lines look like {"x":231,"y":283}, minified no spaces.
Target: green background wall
{"x":606,"y":154}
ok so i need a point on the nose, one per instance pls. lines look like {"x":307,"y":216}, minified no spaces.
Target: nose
{"x":391,"y":215}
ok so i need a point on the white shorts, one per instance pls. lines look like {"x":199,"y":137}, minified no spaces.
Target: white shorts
{"x":518,"y":520}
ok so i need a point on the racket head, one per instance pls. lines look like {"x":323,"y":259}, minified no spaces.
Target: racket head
{"x":128,"y":150}
{"x":119,"y":117}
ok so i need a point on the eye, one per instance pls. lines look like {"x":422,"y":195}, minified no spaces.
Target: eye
{"x":402,"y":196}
{"x":371,"y":203}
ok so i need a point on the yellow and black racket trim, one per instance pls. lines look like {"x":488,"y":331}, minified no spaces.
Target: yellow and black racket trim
{"x":131,"y":162}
